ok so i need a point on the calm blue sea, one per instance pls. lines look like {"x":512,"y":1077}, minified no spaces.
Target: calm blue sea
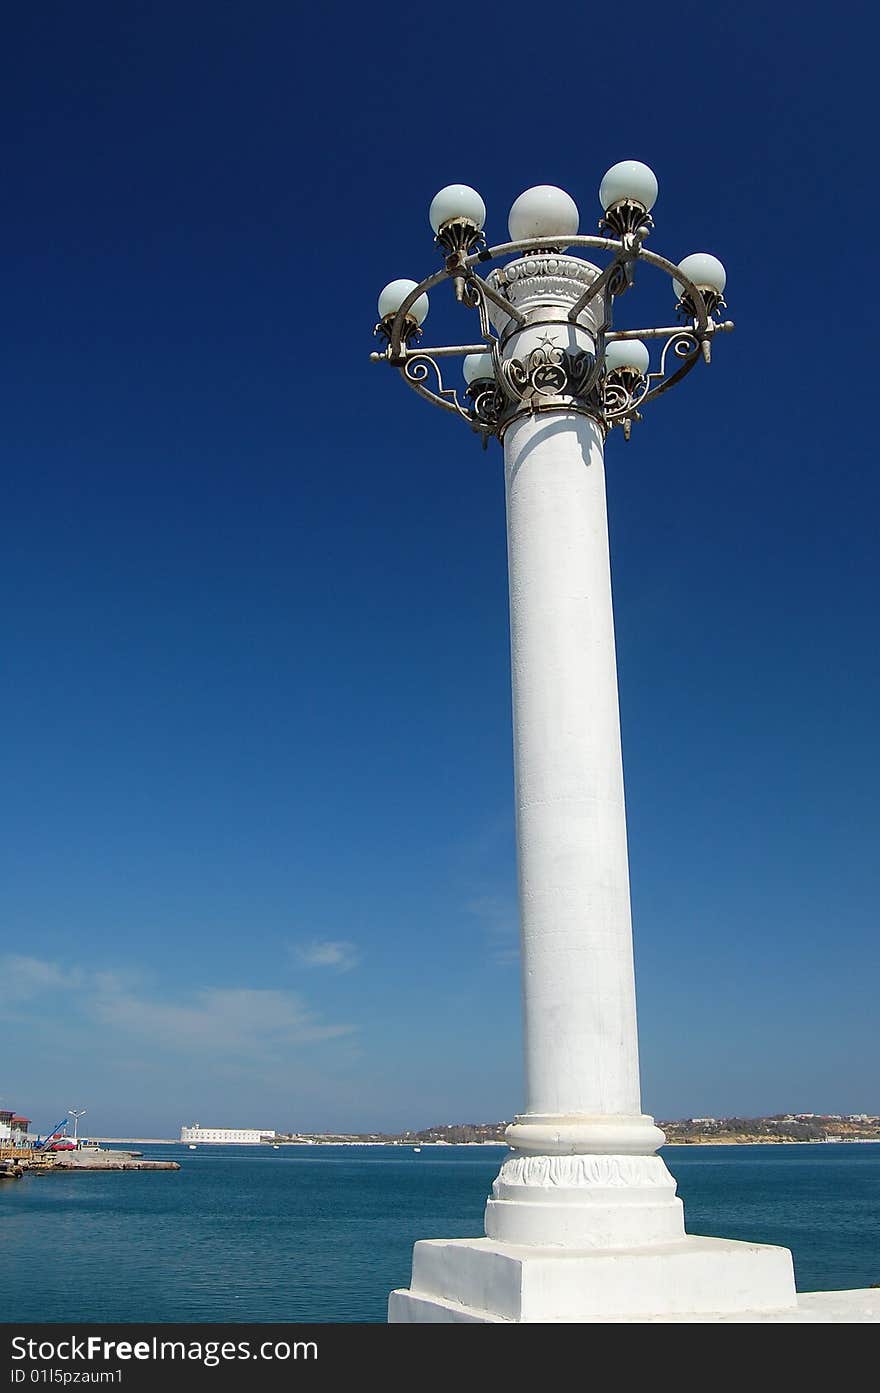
{"x":324,"y":1233}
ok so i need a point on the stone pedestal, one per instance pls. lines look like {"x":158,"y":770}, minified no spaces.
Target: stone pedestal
{"x":480,"y":1280}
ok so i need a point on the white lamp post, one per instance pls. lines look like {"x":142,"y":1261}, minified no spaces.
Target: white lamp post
{"x":583,"y":1222}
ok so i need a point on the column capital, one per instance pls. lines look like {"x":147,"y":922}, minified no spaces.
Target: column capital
{"x":548,"y":362}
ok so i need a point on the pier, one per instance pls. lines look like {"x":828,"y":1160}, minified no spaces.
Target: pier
{"x":28,"y":1158}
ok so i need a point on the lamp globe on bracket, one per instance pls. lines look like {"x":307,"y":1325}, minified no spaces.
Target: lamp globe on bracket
{"x":707,"y":273}
{"x":628,"y":192}
{"x":478,"y":367}
{"x":457,"y":216}
{"x":390,"y":300}
{"x":627,"y":355}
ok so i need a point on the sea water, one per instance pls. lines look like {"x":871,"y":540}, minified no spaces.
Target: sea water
{"x":323,"y":1233}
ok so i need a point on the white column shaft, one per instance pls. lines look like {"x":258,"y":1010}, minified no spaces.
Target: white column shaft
{"x":579,"y":997}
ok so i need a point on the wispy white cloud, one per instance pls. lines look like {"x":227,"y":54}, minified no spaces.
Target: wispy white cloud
{"x":500,"y":922}
{"x":329,"y":952}
{"x":225,"y":1021}
{"x":23,"y":978}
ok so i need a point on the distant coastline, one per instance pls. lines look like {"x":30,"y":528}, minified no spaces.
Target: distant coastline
{"x":496,"y":1142}
{"x":777,"y":1130}
{"x":703,"y":1142}
{"x":781,"y":1129}
{"x":304,"y":1141}
{"x":778,"y":1141}
{"x":709,"y":1141}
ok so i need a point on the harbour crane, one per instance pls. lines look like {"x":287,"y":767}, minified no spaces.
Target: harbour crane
{"x":51,"y":1136}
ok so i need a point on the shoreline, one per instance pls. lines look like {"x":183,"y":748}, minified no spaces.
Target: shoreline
{"x":256,"y":1146}
{"x":409,"y":1146}
{"x":788,"y":1141}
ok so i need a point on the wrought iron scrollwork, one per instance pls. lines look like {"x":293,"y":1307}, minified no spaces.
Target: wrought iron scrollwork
{"x":419,"y":369}
{"x":487,"y":407}
{"x":485,"y":396}
{"x":681,"y":346}
{"x":488,"y":402}
{"x":548,"y":371}
{"x":473,"y":297}
{"x":621,"y":278}
{"x":686,"y":346}
{"x":623,"y":391}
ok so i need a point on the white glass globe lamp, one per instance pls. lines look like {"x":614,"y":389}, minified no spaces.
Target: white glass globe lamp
{"x":632,"y":180}
{"x":707,"y":273}
{"x":457,"y":215}
{"x":543,"y":211}
{"x":457,"y":201}
{"x":628,"y":192}
{"x":627,"y":355}
{"x":478,"y":367}
{"x":393,"y":296}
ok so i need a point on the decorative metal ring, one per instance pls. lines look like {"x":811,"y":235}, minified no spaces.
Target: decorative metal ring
{"x":552,"y":373}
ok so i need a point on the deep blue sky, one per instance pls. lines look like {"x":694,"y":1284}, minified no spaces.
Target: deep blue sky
{"x":258,"y":840}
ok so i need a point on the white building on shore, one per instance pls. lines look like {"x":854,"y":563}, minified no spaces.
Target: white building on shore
{"x":227,"y":1136}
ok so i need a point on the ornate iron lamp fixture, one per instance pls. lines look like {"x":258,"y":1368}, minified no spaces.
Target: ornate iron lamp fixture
{"x":546,"y":317}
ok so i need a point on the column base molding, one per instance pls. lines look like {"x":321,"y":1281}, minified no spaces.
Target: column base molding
{"x":584,"y":1202}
